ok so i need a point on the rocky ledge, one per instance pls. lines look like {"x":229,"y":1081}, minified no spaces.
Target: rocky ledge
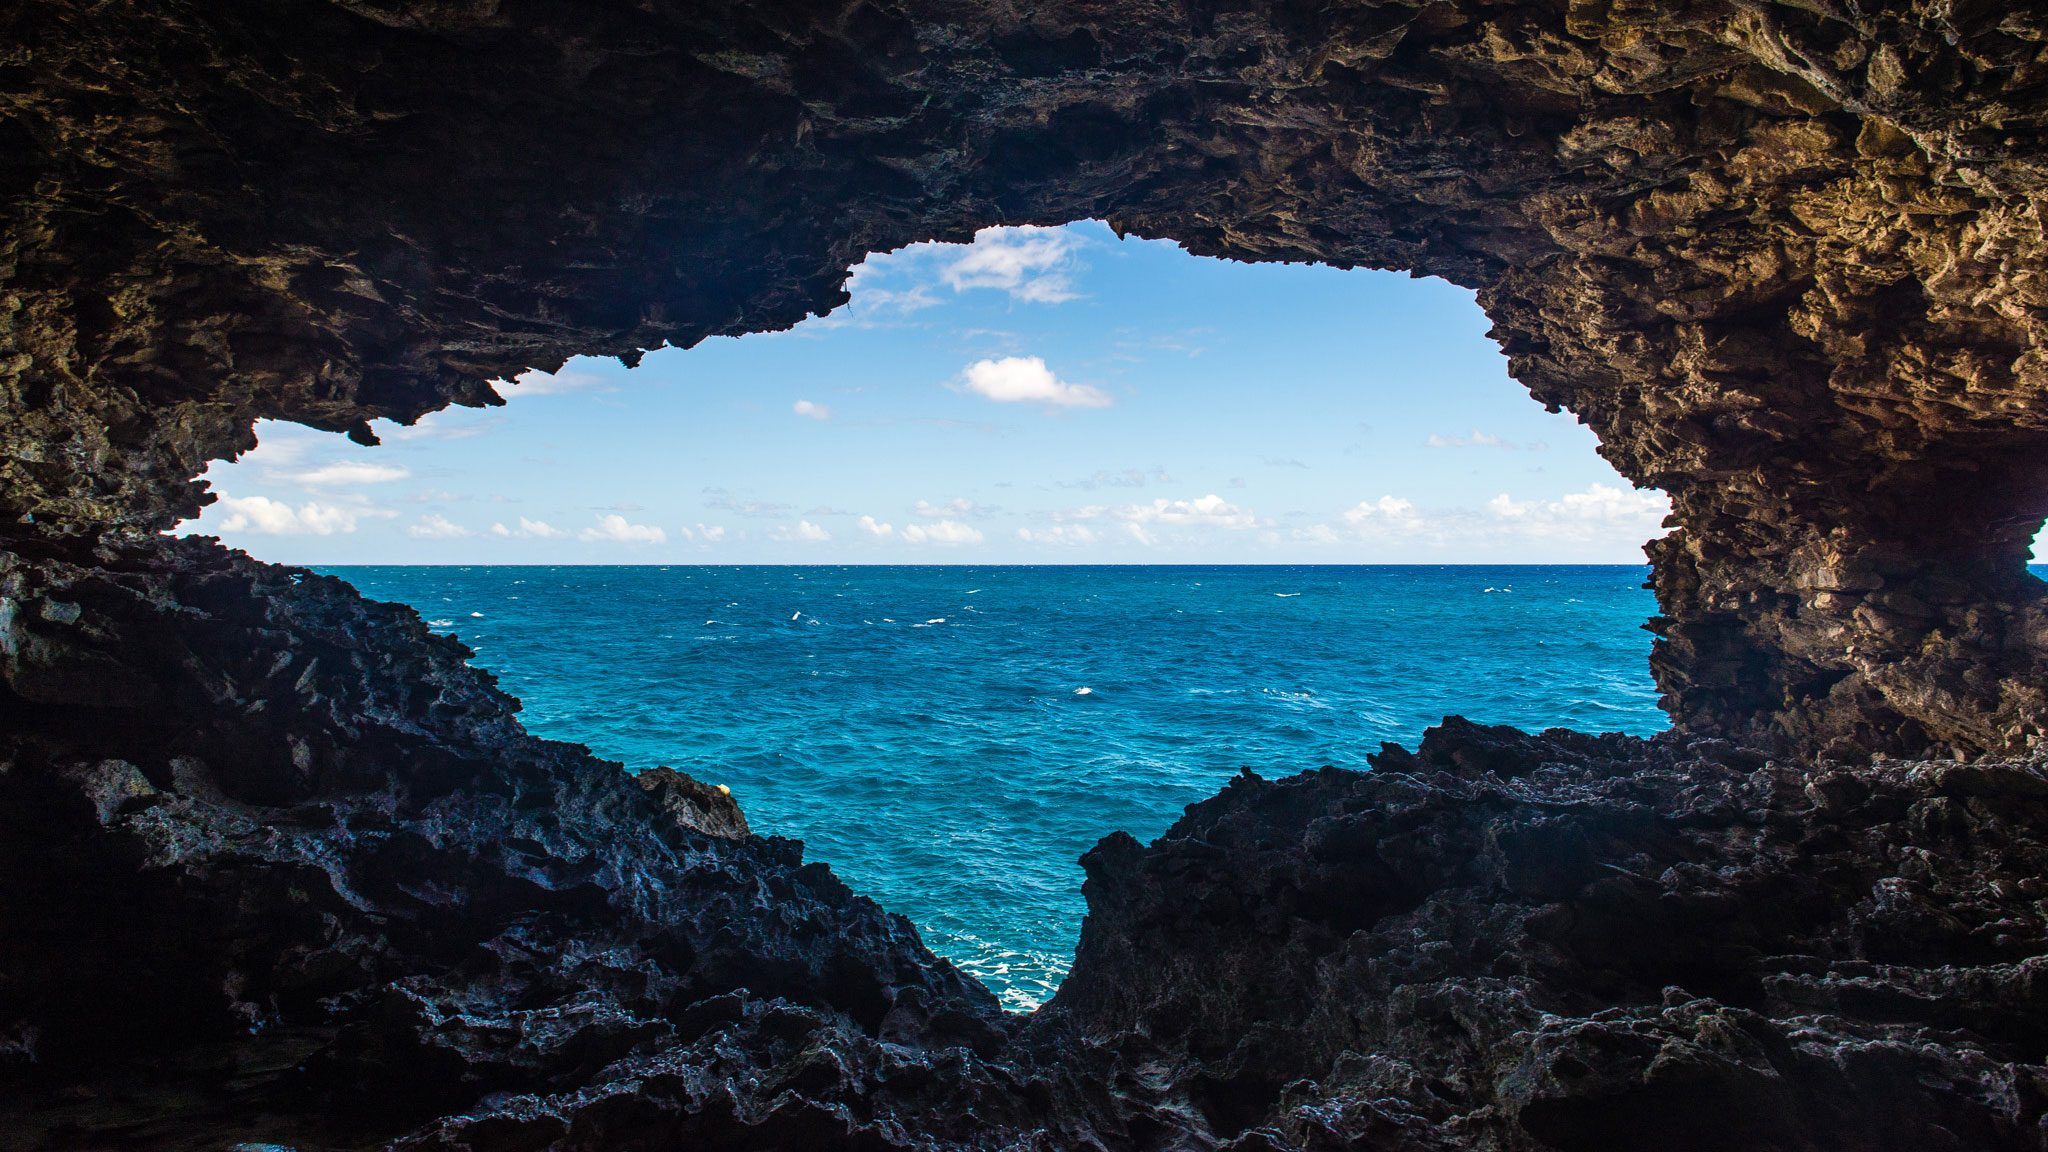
{"x":275,"y":860}
{"x":280,"y":867}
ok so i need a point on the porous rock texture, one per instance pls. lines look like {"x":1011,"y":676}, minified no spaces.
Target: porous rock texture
{"x":1785,"y":259}
{"x":277,"y":865}
{"x":270,"y":850}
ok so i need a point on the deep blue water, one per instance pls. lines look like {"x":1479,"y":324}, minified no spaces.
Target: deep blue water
{"x":950,"y":739}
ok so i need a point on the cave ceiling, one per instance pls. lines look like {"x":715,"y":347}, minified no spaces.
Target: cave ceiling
{"x":1784,"y":259}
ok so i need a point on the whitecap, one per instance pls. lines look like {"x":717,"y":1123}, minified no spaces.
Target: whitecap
{"x":1285,"y":595}
{"x":477,"y":614}
{"x":794,"y":615}
{"x":441,"y":623}
{"x":1084,"y":691}
{"x":936,"y":620}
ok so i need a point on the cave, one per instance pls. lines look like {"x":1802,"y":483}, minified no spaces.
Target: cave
{"x":281,"y":867}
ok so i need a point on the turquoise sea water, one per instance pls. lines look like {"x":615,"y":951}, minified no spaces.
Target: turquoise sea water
{"x":950,"y":739}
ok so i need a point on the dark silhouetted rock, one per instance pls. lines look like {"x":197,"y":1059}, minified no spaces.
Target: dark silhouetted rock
{"x":320,"y":860}
{"x":695,"y":805}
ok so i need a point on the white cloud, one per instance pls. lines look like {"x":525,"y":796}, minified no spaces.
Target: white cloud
{"x":1103,"y":478}
{"x":805,"y":532}
{"x":435,"y":527}
{"x":1069,"y":535}
{"x":347,"y":472}
{"x":878,"y":297}
{"x":537,"y":383}
{"x":1603,"y":502}
{"x":723,"y":500}
{"x":943,"y":532}
{"x":276,"y":518}
{"x":1138,"y":533}
{"x":1210,"y":511}
{"x":1015,"y":379}
{"x":614,"y":527}
{"x":814,"y":411}
{"x":958,"y":506}
{"x":531,"y":529}
{"x":1479,"y":439}
{"x":1603,"y":518}
{"x":1388,"y":509}
{"x":1029,"y":262}
{"x":712,"y":534}
{"x":279,"y":445}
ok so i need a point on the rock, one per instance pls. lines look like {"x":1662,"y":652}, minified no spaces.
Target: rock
{"x":1691,"y":953}
{"x":1785,"y":263}
{"x":334,"y":841}
{"x":278,"y":867}
{"x":697,"y":806}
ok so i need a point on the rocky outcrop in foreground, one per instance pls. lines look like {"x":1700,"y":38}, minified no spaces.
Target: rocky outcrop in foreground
{"x":279,"y":866}
{"x":274,"y":860}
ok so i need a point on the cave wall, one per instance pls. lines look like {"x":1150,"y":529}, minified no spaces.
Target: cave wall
{"x":1784,"y":259}
{"x":277,"y":864}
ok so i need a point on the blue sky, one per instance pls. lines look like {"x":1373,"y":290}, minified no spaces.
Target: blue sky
{"x":1039,"y":396}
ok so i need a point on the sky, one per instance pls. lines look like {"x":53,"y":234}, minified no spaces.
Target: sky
{"x":1042,"y":395}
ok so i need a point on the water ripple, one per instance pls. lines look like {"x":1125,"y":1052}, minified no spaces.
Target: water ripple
{"x":953,"y":761}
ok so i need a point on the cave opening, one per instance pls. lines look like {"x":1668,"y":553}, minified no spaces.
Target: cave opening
{"x":738,"y":560}
{"x":1785,"y":258}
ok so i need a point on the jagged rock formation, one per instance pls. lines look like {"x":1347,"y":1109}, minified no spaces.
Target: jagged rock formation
{"x":490,"y":943}
{"x":1784,"y":259}
{"x":1502,"y":942}
{"x":1586,"y":942}
{"x":274,"y":859}
{"x":276,"y":864}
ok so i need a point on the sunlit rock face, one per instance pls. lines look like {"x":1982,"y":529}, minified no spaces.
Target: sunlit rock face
{"x":1785,"y":260}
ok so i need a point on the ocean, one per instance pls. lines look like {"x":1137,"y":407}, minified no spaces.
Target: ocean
{"x":951,"y":739}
